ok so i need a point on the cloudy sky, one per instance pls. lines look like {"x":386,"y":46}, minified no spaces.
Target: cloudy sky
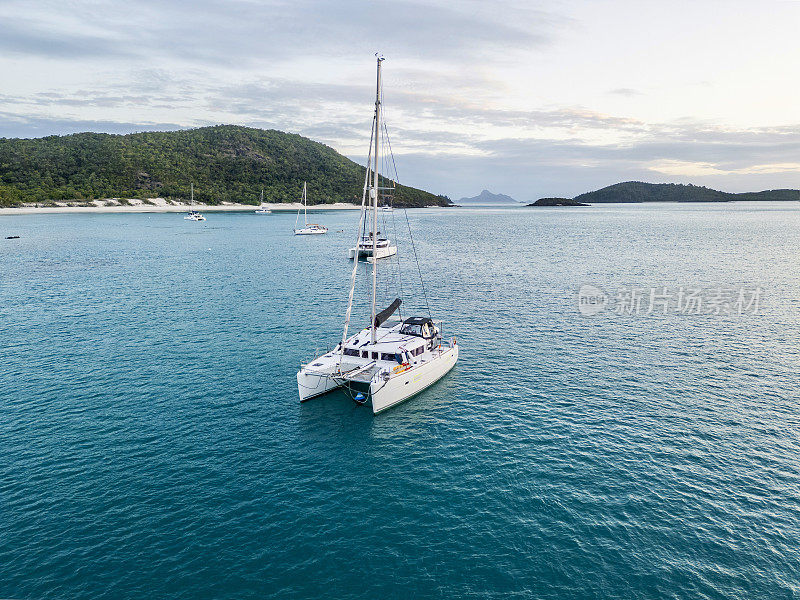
{"x":525,"y":98}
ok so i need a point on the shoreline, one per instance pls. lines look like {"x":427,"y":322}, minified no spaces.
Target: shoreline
{"x":163,"y":207}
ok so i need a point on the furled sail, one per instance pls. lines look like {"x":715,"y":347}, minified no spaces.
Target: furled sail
{"x":387,"y":312}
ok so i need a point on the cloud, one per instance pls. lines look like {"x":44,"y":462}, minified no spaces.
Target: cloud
{"x":702,"y":169}
{"x":28,"y":37}
{"x":13,"y":125}
{"x":529,"y":168}
{"x":461,"y":113}
{"x":240,"y":32}
{"x":685,"y":168}
{"x":629,"y":92}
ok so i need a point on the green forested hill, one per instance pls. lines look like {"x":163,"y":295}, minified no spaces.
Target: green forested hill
{"x":225,"y":162}
{"x":638,"y":191}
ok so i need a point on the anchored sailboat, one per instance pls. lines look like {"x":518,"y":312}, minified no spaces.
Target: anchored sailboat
{"x":307,"y":228}
{"x":372,"y":249}
{"x":193,"y":214}
{"x":372,"y":245}
{"x":262,"y":208}
{"x":390,"y":360}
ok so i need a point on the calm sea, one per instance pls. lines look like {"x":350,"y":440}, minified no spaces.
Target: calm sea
{"x":152,"y":444}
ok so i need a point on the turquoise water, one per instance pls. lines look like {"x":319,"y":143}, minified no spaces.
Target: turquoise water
{"x":153,"y":445}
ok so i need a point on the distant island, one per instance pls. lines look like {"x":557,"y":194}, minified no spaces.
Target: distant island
{"x":638,"y":191}
{"x":226,"y":163}
{"x":557,"y":202}
{"x":487,"y":197}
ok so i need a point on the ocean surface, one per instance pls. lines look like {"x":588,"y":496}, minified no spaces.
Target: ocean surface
{"x":152,"y":444}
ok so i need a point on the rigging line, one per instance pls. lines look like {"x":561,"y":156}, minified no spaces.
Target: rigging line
{"x":399,"y":270}
{"x":391,"y":154}
{"x":387,"y":277}
{"x":408,"y":223}
{"x":391,"y":223}
{"x":419,"y":270}
{"x":388,"y":200}
{"x":364,"y":223}
{"x":388,"y":159}
{"x":388,"y":288}
{"x":355,"y":259}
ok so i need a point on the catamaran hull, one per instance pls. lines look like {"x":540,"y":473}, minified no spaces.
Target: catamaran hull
{"x":379,"y":252}
{"x":386,"y":394}
{"x":311,"y":385}
{"x":310,"y":232}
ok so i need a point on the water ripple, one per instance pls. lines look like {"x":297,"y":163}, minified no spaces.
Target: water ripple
{"x":153,"y":445}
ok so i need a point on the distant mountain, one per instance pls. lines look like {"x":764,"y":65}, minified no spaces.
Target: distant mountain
{"x":487,"y":197}
{"x":225,"y":163}
{"x":637,"y":191}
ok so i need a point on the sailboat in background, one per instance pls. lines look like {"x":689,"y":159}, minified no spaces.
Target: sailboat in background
{"x":372,"y":245}
{"x":193,"y":214}
{"x":262,"y":209}
{"x":370,"y":248}
{"x":307,"y":228}
{"x":389,"y":361}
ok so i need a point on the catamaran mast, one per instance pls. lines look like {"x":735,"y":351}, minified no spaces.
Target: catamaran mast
{"x":374,"y":197}
{"x":191,"y":202}
{"x":361,"y":221}
{"x":305,"y":205}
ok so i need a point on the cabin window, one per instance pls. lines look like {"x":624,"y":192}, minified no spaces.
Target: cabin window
{"x":351,"y":352}
{"x":411,"y":330}
{"x":364,"y":354}
{"x":385,"y":356}
{"x":375,"y":355}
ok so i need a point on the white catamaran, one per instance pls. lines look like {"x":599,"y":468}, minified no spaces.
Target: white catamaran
{"x":262,"y":208}
{"x":389,"y":361}
{"x":307,"y":228}
{"x":193,"y":214}
{"x":366,"y":246}
{"x":369,"y":248}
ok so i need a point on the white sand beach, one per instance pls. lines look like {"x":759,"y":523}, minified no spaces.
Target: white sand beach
{"x":160,"y":205}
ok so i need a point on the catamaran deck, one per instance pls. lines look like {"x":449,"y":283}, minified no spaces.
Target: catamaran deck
{"x":355,"y":373}
{"x":362,"y":359}
{"x":360,"y":373}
